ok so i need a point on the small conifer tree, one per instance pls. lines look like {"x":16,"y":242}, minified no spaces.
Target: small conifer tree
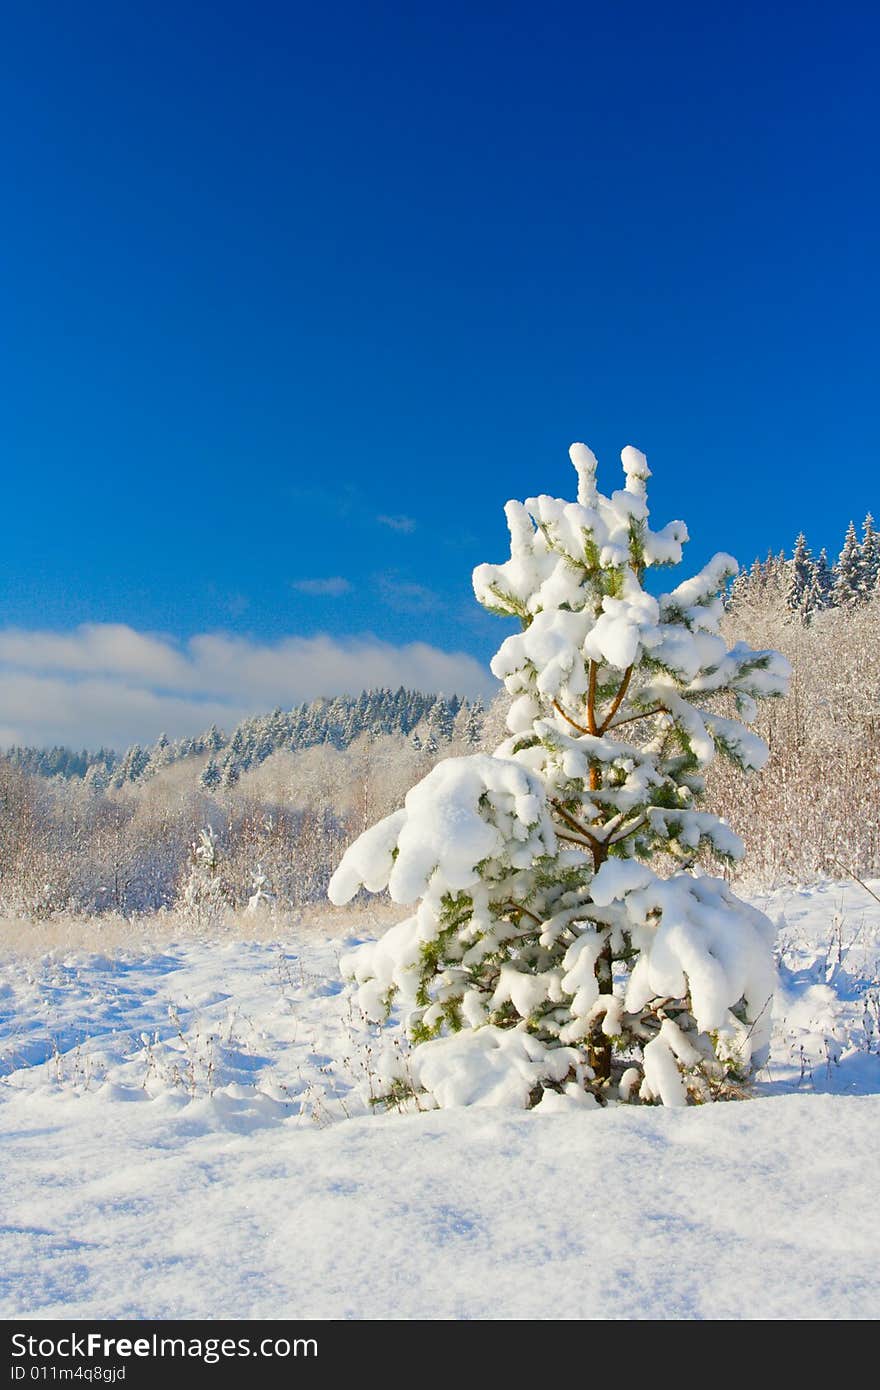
{"x":739,"y":590}
{"x":474,"y":723}
{"x":203,"y":896}
{"x":211,"y":777}
{"x":820,"y":594}
{"x":800,"y":577}
{"x":848,"y":585}
{"x":262,"y":899}
{"x":547,"y":961}
{"x":870,"y":557}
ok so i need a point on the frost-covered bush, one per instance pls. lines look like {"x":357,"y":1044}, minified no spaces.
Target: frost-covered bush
{"x":818,"y":816}
{"x":203,"y":897}
{"x":538,"y":914}
{"x":261,"y":900}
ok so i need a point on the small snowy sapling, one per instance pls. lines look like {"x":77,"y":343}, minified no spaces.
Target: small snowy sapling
{"x":547,"y":962}
{"x":203,"y":897}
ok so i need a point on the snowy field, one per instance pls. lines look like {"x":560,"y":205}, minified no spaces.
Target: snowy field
{"x":187,"y":1133}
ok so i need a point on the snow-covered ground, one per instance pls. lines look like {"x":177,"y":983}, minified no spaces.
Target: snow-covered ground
{"x":187,"y":1132}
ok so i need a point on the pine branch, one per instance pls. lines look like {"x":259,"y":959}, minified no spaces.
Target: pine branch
{"x":575,"y":840}
{"x":575,"y":824}
{"x":609,"y":826}
{"x":631,"y":718}
{"x":573,"y":722}
{"x":518,"y":907}
{"x":618,"y":699}
{"x":591,"y":698}
{"x":629,"y":830}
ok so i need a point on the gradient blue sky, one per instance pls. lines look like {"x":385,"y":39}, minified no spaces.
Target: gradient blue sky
{"x":296,"y":293}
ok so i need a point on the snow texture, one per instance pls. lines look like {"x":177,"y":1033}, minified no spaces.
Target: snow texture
{"x":496,"y":1067}
{"x":187,"y":1134}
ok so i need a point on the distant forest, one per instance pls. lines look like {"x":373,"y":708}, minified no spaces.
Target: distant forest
{"x":337,"y":721}
{"x":211,"y":825}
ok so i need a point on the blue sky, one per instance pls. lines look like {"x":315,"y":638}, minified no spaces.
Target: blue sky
{"x":295,"y":297}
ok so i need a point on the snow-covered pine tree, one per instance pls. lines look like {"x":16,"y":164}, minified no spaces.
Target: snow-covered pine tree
{"x":132,"y":767}
{"x":96,"y":777}
{"x":547,"y":962}
{"x":211,"y":777}
{"x":870,"y":557}
{"x":800,"y":576}
{"x":739,"y":589}
{"x":848,"y":572}
{"x":161,"y":754}
{"x":212,"y":739}
{"x":821,"y":591}
{"x":476,"y":714}
{"x":441,"y":721}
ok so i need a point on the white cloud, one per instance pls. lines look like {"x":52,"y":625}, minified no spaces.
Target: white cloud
{"x":397,"y":523}
{"x":108,"y":683}
{"x":406,"y":597}
{"x":332,"y":587}
{"x":236,"y":604}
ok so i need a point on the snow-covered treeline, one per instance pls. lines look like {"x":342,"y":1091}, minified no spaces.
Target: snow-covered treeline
{"x":287,"y":791}
{"x":806,"y":584}
{"x":818,"y":812}
{"x":279,"y":801}
{"x":338,"y":721}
